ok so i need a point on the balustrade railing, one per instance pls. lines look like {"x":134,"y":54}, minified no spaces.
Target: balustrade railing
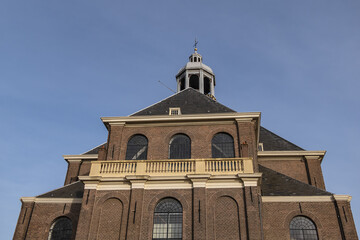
{"x":171,"y":167}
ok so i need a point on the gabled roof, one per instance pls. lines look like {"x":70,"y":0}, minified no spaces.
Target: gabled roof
{"x":277,"y":184}
{"x":190,"y":101}
{"x":273,"y":142}
{"x":73,"y":190}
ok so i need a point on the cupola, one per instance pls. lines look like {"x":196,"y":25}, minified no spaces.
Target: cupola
{"x":196,"y":75}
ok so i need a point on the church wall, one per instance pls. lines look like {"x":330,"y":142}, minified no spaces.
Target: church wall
{"x":347,"y":220}
{"x":277,"y":217}
{"x":315,"y":173}
{"x":72,"y":172}
{"x":159,"y":138}
{"x":222,"y":213}
{"x":103,"y":204}
{"x":23,"y":220}
{"x":42,"y":217}
{"x":85,"y":168}
{"x":77,"y":168}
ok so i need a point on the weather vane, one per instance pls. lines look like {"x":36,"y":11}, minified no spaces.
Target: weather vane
{"x":195,"y":44}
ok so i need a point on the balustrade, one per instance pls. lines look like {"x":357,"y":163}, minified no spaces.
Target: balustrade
{"x":171,"y":167}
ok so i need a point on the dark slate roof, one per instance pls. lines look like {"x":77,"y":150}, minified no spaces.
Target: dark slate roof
{"x":190,"y":101}
{"x":73,"y":190}
{"x":95,"y":150}
{"x":273,"y":142}
{"x":277,"y":184}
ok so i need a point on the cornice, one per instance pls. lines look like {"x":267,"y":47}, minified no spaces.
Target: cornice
{"x":50,"y":200}
{"x":70,"y":158}
{"x":296,"y":198}
{"x":171,"y":182}
{"x":187,"y":117}
{"x":342,"y":198}
{"x":290,"y":153}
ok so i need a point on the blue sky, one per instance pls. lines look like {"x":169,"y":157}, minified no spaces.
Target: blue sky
{"x":64,"y":64}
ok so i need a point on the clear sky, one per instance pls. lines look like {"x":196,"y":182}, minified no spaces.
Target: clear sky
{"x":64,"y":64}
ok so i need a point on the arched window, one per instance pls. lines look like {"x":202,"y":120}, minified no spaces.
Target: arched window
{"x":137,"y":148}
{"x":302,"y":228}
{"x":222,"y":146}
{"x":61,"y":229}
{"x":180,"y":147}
{"x":168,"y":220}
{"x":207,"y":88}
{"x":194,"y":82}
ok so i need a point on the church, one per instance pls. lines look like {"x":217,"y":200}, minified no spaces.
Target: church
{"x":188,"y":167}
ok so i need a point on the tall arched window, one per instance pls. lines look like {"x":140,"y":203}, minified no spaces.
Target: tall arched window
{"x":61,"y":229}
{"x":222,"y":146}
{"x":180,"y":147}
{"x":194,"y":82}
{"x":137,"y":148}
{"x":168,"y":220}
{"x":302,"y":228}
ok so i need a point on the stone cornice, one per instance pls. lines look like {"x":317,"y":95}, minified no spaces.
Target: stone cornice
{"x":187,"y":117}
{"x":50,"y":200}
{"x":171,"y":182}
{"x":74,"y":158}
{"x":342,"y":198}
{"x":291,"y":153}
{"x":296,"y":198}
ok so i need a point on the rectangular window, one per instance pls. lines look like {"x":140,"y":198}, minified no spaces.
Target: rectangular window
{"x":261,"y":147}
{"x":174,"y":111}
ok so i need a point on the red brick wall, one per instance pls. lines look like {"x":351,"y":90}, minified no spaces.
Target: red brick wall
{"x":39,"y":221}
{"x":277,"y":217}
{"x":219,"y":209}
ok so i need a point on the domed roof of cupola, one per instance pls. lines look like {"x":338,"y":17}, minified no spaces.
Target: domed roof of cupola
{"x":195,"y":62}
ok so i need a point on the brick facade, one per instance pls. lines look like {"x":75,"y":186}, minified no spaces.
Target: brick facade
{"x":214,"y":207}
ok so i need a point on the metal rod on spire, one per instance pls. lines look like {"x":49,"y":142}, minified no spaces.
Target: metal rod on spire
{"x":195,"y":44}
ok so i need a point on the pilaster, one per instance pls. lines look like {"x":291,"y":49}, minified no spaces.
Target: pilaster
{"x":24,"y":218}
{"x":86,"y":214}
{"x":135,"y":207}
{"x":199,"y":204}
{"x":115,"y":137}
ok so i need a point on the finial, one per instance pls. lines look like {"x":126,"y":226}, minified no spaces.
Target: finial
{"x":195,"y":45}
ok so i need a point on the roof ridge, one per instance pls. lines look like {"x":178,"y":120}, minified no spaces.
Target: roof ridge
{"x":282,"y":138}
{"x":295,"y":180}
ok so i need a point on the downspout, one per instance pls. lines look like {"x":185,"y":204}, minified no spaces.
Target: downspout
{"x":307,"y":170}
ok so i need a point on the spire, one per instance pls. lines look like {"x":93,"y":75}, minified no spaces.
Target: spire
{"x":195,"y":45}
{"x":196,"y":75}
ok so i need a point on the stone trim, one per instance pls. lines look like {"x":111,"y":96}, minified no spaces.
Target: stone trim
{"x":343,"y":198}
{"x":50,"y":200}
{"x":296,"y":198}
{"x":187,"y":117}
{"x":80,"y":157}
